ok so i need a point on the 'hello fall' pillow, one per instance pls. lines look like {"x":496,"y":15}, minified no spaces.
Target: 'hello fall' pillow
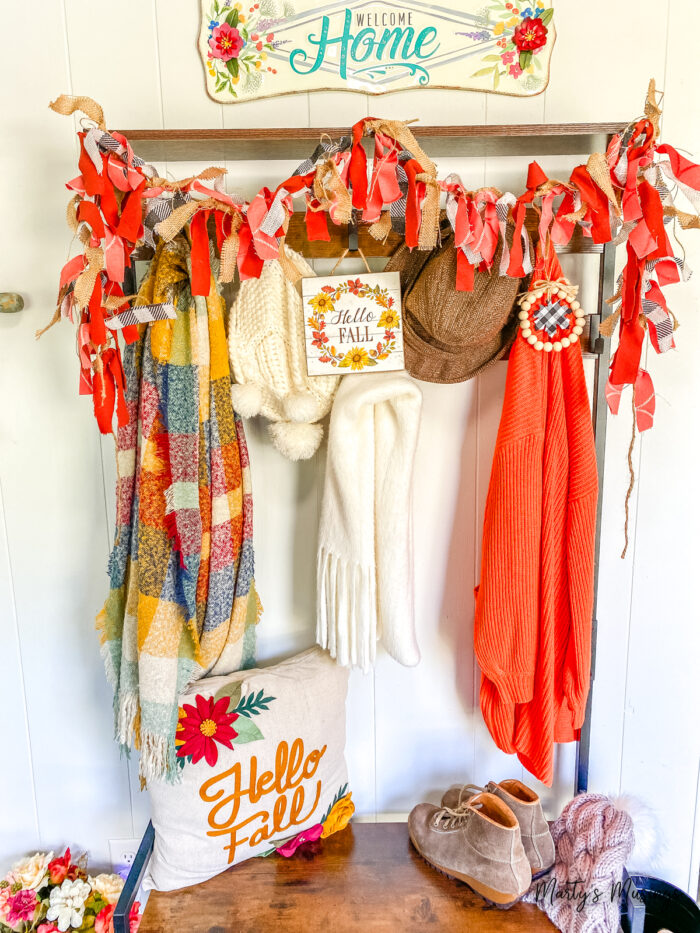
{"x":262,"y":757}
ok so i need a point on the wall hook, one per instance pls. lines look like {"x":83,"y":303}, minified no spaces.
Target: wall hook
{"x":10,"y":302}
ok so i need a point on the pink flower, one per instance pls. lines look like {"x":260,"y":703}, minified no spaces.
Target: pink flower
{"x":225,"y":43}
{"x":48,"y":928}
{"x":103,"y":920}
{"x":5,"y":895}
{"x":21,"y":906}
{"x":515,"y":70}
{"x":507,"y":57}
{"x":308,"y":835}
{"x":134,"y":917}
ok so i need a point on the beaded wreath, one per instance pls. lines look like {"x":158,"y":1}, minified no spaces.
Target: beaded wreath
{"x":551,"y":318}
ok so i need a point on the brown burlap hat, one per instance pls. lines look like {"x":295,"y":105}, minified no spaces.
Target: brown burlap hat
{"x":451,"y":336}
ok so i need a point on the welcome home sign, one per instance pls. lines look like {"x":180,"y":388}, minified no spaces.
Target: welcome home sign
{"x":263,"y":48}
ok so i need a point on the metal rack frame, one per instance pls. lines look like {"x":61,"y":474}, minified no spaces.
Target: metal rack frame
{"x":264,"y":144}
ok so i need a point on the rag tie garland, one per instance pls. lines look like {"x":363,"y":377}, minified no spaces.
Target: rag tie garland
{"x":623,"y":196}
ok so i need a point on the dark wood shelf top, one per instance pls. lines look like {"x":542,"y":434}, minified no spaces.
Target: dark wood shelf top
{"x":366,"y":878}
{"x":304,"y":132}
{"x":292,"y":144}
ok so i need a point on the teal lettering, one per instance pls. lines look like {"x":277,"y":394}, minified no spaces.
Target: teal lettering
{"x":365,"y":36}
{"x":320,"y":55}
{"x":425,"y":37}
{"x":397,"y":35}
{"x":398,"y":42}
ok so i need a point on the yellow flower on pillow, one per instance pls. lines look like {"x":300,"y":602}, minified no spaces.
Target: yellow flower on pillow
{"x":339,"y":817}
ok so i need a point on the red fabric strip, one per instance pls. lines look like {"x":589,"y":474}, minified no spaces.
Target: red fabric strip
{"x":465,"y":273}
{"x":93,"y":181}
{"x":358,"y":167}
{"x":201,"y":270}
{"x":316,"y":222}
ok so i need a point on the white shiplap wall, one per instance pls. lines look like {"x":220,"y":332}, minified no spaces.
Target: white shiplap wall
{"x":410,"y":732}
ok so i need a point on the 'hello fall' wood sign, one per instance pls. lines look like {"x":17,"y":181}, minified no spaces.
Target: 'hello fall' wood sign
{"x":263,"y":48}
{"x":353,"y":323}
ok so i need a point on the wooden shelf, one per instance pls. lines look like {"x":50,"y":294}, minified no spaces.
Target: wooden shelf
{"x":295,"y":143}
{"x":366,"y":878}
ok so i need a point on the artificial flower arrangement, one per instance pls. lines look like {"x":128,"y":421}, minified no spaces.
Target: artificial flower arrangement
{"x":52,"y":895}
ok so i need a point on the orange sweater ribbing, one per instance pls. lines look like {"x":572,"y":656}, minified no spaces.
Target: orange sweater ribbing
{"x":532,"y":630}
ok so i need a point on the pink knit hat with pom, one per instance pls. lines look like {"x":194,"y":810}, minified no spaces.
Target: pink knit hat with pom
{"x":593,"y":839}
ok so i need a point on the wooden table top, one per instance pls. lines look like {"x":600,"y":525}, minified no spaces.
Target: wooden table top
{"x":367,"y":877}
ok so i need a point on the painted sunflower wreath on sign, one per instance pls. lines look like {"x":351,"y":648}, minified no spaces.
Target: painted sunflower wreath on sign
{"x":356,"y":357}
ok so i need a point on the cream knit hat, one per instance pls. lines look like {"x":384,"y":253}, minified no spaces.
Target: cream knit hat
{"x":268,"y":361}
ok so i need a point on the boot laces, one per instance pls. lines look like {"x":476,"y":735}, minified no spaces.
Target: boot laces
{"x":447,"y":818}
{"x":466,"y":794}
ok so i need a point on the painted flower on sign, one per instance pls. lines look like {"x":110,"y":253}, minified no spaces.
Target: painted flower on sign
{"x":520,"y":38}
{"x":225,"y":42}
{"x":236,"y":47}
{"x":356,"y":358}
{"x":530,"y":35}
{"x":390,"y":319}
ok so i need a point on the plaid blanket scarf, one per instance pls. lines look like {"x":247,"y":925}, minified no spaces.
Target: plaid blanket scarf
{"x":182,"y":599}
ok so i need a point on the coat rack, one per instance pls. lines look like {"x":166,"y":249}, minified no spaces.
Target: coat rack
{"x":543,"y":140}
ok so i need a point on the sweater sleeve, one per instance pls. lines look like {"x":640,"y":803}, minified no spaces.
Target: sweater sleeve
{"x":583,"y":499}
{"x":507,"y":608}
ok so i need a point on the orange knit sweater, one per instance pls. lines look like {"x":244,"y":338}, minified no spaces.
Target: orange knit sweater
{"x":532,"y":630}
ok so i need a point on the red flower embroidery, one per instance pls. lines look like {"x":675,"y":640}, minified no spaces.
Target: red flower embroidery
{"x":530,"y":35}
{"x":203,"y":726}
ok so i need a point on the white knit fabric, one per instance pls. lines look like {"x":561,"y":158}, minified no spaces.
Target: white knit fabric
{"x":365,"y":554}
{"x":268,"y":360}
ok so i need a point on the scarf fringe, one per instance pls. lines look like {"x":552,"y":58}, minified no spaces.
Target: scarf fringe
{"x":126,"y":713}
{"x":347,"y":611}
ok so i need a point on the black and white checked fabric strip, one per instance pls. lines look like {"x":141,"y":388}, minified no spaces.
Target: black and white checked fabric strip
{"x":551,"y":316}
{"x":141,"y":315}
{"x":322,"y":151}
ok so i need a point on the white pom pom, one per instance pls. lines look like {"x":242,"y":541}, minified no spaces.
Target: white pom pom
{"x":648,"y":843}
{"x":247,"y":399}
{"x":301,"y":406}
{"x":296,"y":441}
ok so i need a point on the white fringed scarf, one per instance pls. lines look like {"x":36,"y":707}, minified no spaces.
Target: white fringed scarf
{"x":365,"y":553}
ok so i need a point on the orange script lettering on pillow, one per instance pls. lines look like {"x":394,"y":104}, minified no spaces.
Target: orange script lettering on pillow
{"x":292,"y":767}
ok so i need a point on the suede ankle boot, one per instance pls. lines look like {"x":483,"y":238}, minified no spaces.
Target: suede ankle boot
{"x":527,"y":807}
{"x":478,"y":844}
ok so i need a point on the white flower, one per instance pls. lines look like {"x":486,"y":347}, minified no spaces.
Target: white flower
{"x":32,"y":870}
{"x":67,"y":904}
{"x":109,"y":886}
